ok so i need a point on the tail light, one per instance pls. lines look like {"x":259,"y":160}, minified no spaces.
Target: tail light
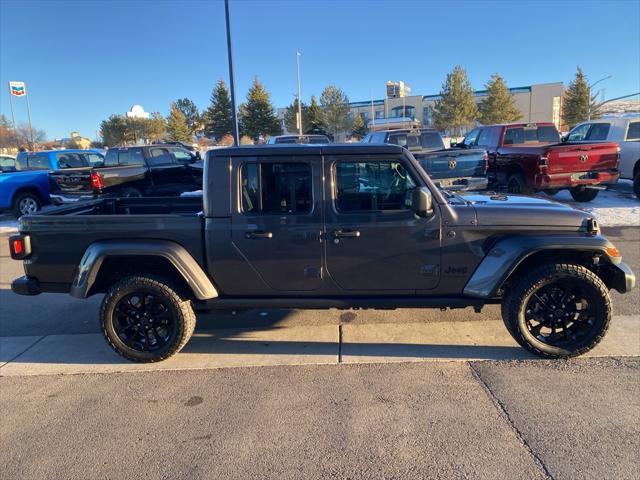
{"x":543,"y":164}
{"x":485,"y":159}
{"x":19,"y":246}
{"x":97,"y":182}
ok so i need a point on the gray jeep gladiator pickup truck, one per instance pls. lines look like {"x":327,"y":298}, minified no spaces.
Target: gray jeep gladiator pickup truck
{"x":330,"y":226}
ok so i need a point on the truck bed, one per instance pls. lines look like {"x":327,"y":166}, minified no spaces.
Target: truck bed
{"x":61,"y":236}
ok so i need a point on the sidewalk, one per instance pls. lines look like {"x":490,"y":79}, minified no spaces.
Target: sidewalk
{"x":308,"y":345}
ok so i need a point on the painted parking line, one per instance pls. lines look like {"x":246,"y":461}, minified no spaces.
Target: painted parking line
{"x":309,"y":345}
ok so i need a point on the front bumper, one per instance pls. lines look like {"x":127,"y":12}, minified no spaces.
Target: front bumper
{"x":575,"y":179}
{"x":622,"y":277}
{"x":25,"y":286}
{"x":463,"y":183}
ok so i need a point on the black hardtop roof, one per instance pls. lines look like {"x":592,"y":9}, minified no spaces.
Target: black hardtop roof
{"x":294,"y":149}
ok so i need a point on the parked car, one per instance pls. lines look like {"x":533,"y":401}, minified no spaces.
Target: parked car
{"x":130,"y":172}
{"x":333,"y":226}
{"x":623,"y":130}
{"x":26,"y":189}
{"x":301,"y":139}
{"x":7,"y":163}
{"x":448,"y":167}
{"x":529,"y":157}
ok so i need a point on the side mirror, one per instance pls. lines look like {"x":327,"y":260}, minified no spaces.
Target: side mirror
{"x":454,"y":144}
{"x":564,"y":138}
{"x":422,"y":202}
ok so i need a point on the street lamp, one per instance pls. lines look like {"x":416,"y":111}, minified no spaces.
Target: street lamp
{"x":590,"y":87}
{"x":299,"y":113}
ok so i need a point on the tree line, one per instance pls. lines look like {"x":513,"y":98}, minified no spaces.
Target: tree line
{"x":456,"y":107}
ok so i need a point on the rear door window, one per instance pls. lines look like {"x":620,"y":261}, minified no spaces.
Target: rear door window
{"x":633,"y":132}
{"x":276,"y":188}
{"x":132,"y":157}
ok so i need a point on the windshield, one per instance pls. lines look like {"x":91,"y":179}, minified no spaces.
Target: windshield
{"x":542,"y":134}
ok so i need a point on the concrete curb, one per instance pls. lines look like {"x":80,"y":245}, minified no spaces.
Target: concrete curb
{"x":312,"y":345}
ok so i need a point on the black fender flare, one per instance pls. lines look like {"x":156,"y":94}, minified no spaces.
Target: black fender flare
{"x":176,"y":254}
{"x":505,"y":256}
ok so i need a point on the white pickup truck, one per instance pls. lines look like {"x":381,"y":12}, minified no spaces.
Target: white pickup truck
{"x":625,"y":131}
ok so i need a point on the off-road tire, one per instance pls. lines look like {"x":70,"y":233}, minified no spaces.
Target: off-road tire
{"x":522,"y":289}
{"x":22,"y":197}
{"x":517,"y":184}
{"x":582,"y":194}
{"x":180,"y":306}
{"x":636,"y":185}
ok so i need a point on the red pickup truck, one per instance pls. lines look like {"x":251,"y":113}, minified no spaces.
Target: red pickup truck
{"x":529,"y":157}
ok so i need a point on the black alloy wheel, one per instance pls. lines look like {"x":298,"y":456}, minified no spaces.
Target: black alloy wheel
{"x":144,"y":322}
{"x":557,"y":310}
{"x":147,"y":318}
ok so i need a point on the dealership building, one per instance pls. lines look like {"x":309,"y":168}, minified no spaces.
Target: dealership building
{"x":400,"y":109}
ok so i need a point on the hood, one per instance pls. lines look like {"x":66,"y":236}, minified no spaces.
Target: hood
{"x":519,"y":210}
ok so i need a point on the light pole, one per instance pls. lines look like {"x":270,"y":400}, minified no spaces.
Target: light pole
{"x":299,"y":122}
{"x":590,"y":87}
{"x":234,"y":115}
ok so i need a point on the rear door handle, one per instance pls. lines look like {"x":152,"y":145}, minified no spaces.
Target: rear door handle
{"x":346,"y":234}
{"x":258,"y":235}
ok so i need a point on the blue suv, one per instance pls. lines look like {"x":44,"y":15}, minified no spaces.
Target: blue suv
{"x":26,"y":189}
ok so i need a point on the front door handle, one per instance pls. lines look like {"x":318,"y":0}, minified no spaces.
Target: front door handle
{"x":258,"y":235}
{"x":346,"y":234}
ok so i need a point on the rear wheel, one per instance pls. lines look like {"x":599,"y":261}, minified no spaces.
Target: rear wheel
{"x":557,"y":310}
{"x":583,"y":194}
{"x":518,"y":185}
{"x":146,"y":319}
{"x":131,"y":192}
{"x":25,"y":204}
{"x":636,"y":185}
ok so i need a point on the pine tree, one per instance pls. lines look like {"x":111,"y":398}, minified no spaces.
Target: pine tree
{"x":335,"y":109}
{"x":359,"y":128}
{"x":499,"y":105}
{"x":456,"y":107}
{"x":217,"y":117}
{"x":177,"y":128}
{"x":256,"y":115}
{"x":577,"y":101}
{"x":190,"y":112}
{"x":315,"y":117}
{"x":291,"y":116}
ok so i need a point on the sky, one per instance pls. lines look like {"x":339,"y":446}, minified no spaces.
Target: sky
{"x":85,"y":60}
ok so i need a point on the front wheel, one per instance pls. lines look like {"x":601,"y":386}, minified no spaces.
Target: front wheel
{"x":146,"y":319}
{"x":557,"y":310}
{"x":583,"y":194}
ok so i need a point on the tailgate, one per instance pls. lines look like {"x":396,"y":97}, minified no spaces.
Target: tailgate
{"x":582,"y":157}
{"x":453,"y":163}
{"x":71,"y":180}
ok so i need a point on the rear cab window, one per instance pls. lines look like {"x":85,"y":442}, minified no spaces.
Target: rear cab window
{"x":119,"y":157}
{"x":71,"y":160}
{"x":276,"y":188}
{"x":531,"y":134}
